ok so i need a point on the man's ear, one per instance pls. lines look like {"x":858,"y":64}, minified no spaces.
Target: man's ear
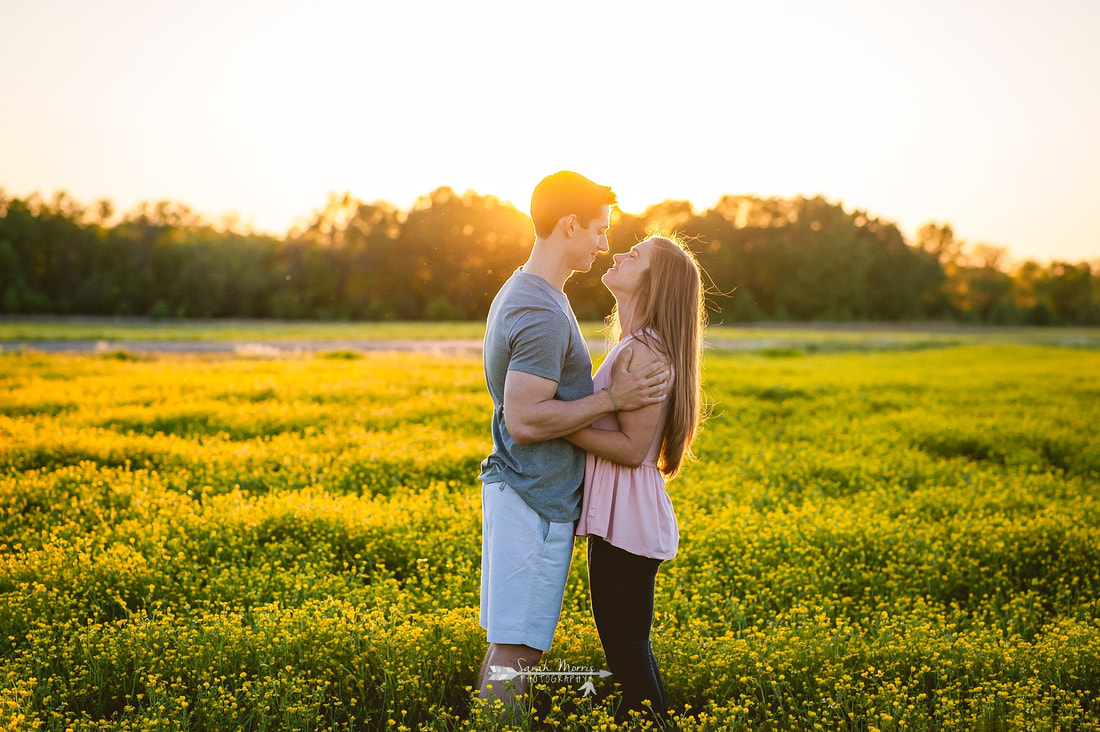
{"x":569,"y":224}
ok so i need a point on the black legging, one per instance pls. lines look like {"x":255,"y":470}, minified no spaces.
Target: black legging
{"x":622,"y":586}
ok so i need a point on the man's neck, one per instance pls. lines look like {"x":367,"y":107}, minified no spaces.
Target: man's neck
{"x":546,"y":262}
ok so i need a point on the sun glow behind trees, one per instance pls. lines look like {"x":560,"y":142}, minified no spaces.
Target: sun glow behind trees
{"x":982,"y":114}
{"x":445,"y":257}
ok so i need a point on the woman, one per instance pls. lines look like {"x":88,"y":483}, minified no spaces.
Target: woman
{"x":627,"y":514}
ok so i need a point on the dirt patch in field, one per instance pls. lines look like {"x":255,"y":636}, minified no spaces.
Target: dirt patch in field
{"x":272,"y":349}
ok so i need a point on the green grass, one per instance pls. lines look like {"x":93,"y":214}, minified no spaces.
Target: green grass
{"x":899,"y":539}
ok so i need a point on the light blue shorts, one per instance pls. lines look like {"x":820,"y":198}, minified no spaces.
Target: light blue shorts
{"x":524,"y":566}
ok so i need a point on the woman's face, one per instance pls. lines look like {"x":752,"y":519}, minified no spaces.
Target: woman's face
{"x":625,"y":275}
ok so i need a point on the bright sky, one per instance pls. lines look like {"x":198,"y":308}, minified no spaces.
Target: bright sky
{"x":984,"y":113}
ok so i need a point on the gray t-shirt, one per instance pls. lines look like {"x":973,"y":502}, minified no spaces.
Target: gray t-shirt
{"x":531,"y":328}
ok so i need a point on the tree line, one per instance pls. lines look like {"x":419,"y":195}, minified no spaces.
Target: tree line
{"x":445,"y":258}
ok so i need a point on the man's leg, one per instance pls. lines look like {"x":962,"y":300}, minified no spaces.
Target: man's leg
{"x":525,"y":566}
{"x":506,"y":656}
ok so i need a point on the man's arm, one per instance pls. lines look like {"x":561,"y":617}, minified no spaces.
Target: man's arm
{"x":532,"y":414}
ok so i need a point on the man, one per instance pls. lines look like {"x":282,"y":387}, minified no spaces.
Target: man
{"x":539,"y":374}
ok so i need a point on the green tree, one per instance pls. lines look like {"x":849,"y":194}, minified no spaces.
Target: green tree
{"x":1072,"y":293}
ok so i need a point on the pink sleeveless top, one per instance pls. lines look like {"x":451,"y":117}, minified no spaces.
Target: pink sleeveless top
{"x":628,"y":507}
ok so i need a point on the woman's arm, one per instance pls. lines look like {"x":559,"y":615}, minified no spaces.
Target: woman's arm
{"x":630,"y":444}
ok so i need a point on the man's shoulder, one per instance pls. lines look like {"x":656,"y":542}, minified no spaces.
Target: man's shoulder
{"x":522,"y":285}
{"x":520,"y":298}
{"x":526,"y":321}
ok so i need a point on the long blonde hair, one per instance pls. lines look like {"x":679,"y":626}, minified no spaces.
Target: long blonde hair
{"x":669,"y":302}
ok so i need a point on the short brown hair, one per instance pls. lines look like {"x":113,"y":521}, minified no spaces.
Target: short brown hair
{"x":564,"y":193}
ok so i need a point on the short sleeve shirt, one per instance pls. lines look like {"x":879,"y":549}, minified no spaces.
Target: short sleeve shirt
{"x":531,"y":328}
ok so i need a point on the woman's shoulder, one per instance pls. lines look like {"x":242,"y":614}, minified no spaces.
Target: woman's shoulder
{"x":646,"y":345}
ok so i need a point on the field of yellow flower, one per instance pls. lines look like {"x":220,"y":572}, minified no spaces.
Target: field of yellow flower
{"x":896,"y":540}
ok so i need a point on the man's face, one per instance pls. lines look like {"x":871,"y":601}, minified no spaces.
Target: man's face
{"x":590,"y":241}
